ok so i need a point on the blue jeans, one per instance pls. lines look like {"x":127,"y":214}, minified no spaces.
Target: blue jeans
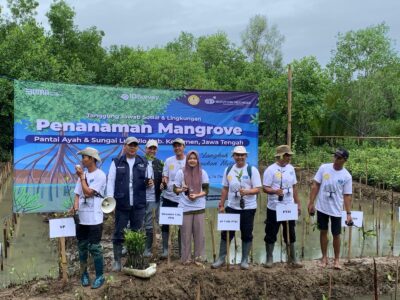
{"x":135,"y":218}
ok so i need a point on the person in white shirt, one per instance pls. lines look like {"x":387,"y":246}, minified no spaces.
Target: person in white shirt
{"x":240,"y":185}
{"x":279,"y":182}
{"x":153,"y":192}
{"x":169,"y":199}
{"x":88,"y":197}
{"x":191,"y":184}
{"x":333,"y":185}
{"x":126,"y":183}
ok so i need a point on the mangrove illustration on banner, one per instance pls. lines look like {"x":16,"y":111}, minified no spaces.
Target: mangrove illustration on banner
{"x":53,"y":121}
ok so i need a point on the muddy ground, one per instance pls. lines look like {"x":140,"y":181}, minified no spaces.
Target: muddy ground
{"x":201,"y":282}
{"x":176,"y":281}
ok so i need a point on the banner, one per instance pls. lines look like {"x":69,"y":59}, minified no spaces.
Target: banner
{"x":53,"y":121}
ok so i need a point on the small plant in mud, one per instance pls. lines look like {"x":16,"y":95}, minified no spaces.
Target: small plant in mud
{"x":135,"y":244}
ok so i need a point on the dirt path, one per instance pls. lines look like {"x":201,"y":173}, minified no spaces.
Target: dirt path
{"x":185,"y":282}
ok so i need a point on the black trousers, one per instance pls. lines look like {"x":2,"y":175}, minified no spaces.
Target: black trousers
{"x":246,"y":224}
{"x":272,"y":228}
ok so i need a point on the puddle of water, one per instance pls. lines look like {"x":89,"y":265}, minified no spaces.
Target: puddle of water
{"x":311,"y":238}
{"x":32,"y":253}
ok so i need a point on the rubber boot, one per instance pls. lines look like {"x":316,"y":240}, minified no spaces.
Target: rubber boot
{"x":164,"y":236}
{"x":246,"y":246}
{"x":222,"y":255}
{"x":149,"y":243}
{"x":83,"y":257}
{"x":117,"y":248}
{"x":270,"y":250}
{"x":97,"y":253}
{"x":293,"y":259}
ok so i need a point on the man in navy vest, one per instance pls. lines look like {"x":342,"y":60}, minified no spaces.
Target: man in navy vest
{"x":126,"y":183}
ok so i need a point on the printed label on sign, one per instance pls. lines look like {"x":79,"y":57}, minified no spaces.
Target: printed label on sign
{"x":357,"y":217}
{"x":171,"y":216}
{"x":63,"y":227}
{"x":228,"y":222}
{"x":286,"y":212}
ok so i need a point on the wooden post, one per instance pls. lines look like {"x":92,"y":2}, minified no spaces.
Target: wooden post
{"x":169,"y":245}
{"x":5,"y":242}
{"x":375,"y":282}
{"x":349,"y":250}
{"x":303,"y":237}
{"x":63,"y":260}
{"x":1,"y":257}
{"x":288,"y":241}
{"x":213,"y":240}
{"x":198,"y":293}
{"x":236,"y":246}
{"x":154,"y":245}
{"x":393,"y":227}
{"x":289,"y":126}
{"x":228,"y":250}
{"x":397,"y":279}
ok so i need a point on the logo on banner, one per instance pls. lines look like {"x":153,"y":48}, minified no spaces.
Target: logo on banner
{"x":125,"y":97}
{"x":194,"y":100}
{"x":210,"y":100}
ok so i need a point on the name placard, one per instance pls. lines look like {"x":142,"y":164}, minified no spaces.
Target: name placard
{"x":228,"y":222}
{"x":357,"y":217}
{"x":171,"y":216}
{"x":62,"y":227}
{"x":287,"y":212}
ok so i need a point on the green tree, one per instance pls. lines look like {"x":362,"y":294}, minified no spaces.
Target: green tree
{"x":263,"y":41}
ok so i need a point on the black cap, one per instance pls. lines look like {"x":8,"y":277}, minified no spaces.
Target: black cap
{"x":342,"y":153}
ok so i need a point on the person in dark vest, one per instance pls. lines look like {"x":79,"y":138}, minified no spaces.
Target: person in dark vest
{"x":153,"y":191}
{"x":126,"y":183}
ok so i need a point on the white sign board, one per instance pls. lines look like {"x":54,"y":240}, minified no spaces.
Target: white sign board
{"x":357,"y":217}
{"x":62,"y":227}
{"x":287,"y":212}
{"x":171,"y":216}
{"x":229,"y":222}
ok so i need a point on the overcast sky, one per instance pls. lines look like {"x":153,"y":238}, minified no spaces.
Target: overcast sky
{"x":310,"y":27}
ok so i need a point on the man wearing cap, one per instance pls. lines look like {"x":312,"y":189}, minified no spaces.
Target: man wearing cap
{"x":88,"y":197}
{"x":279,"y":182}
{"x":240,"y":185}
{"x":169,"y":199}
{"x":333,"y":186}
{"x":153,"y":191}
{"x":126,"y":183}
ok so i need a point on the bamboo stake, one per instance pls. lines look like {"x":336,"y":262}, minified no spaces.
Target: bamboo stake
{"x":373,"y":200}
{"x":228,"y":250}
{"x":349,"y":250}
{"x":375,"y":282}
{"x":213,"y":240}
{"x":288,"y":242}
{"x":63,"y":260}
{"x":5,"y":242}
{"x":330,"y":286}
{"x":236,"y":246}
{"x":393,"y":227}
{"x":303,"y":237}
{"x":169,"y":245}
{"x":280,"y":235}
{"x":198,"y":294}
{"x":154,"y":246}
{"x":397,"y":279}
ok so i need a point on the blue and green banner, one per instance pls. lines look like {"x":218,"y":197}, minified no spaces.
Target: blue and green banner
{"x":53,"y":121}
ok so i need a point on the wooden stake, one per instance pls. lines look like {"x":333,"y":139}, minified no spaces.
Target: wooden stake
{"x":5,"y":242}
{"x":349,"y":250}
{"x":393,"y":227}
{"x":288,"y":241}
{"x":330,"y":286}
{"x":303,"y":237}
{"x":289,"y":126}
{"x":375,"y":282}
{"x":154,"y":245}
{"x":198,"y":294}
{"x":397,"y":279}
{"x":228,"y":250}
{"x":169,"y":245}
{"x":213,"y":240}
{"x":236,"y":246}
{"x":63,"y":260}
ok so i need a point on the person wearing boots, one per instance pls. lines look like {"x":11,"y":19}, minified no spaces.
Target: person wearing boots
{"x":240,"y":185}
{"x":169,"y":199}
{"x":126,"y":183}
{"x":279,"y":183}
{"x":332,"y":186}
{"x":191,"y":184}
{"x":88,"y":197}
{"x":153,"y":192}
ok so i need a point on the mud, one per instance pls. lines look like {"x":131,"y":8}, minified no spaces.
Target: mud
{"x":189,"y":282}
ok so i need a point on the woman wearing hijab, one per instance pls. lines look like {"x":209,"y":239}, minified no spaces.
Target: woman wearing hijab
{"x":191,"y":183}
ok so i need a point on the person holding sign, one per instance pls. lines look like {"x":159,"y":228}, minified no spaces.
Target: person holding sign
{"x":279,"y":183}
{"x":240,"y":185}
{"x":126,"y":183}
{"x":191,"y":184}
{"x":332,"y":185}
{"x":169,"y":199}
{"x":88,"y":197}
{"x":153,"y":191}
